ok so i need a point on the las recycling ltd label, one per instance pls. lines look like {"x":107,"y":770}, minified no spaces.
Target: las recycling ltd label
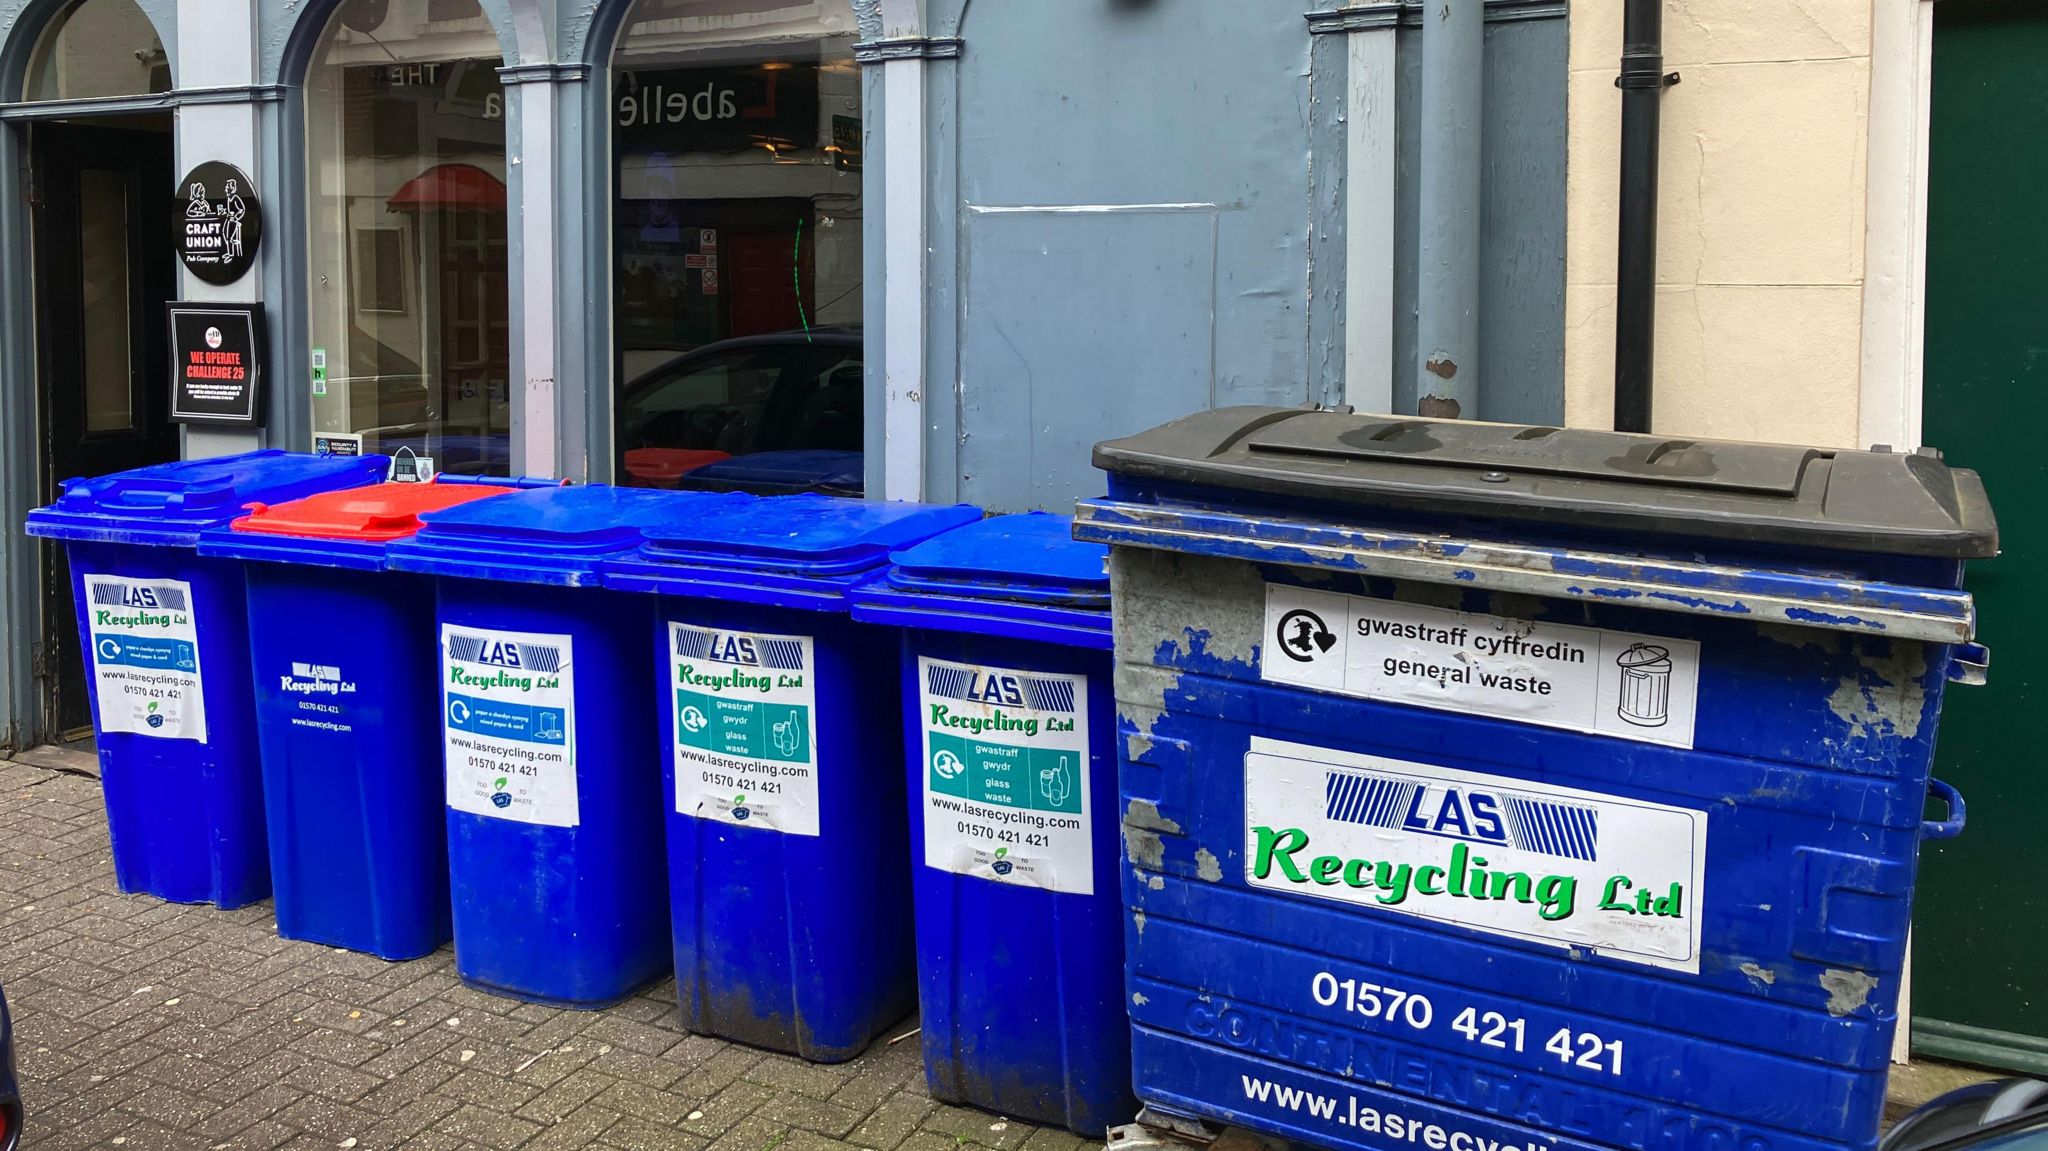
{"x":1554,"y":865}
{"x":1006,"y":775}
{"x":1616,"y":683}
{"x":509,"y":720}
{"x":745,"y":720}
{"x":321,"y":694}
{"x":145,"y":657}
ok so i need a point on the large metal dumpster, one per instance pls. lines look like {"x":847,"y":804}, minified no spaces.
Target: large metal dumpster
{"x":1489,"y":787}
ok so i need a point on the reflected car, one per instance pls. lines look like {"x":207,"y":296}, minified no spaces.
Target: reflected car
{"x":10,"y":1087}
{"x":787,"y":392}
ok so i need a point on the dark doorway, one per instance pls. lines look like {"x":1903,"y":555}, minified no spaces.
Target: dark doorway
{"x":100,"y":204}
{"x":1980,"y":922}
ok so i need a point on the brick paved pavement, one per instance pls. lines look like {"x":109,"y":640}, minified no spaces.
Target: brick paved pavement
{"x":154,"y":1027}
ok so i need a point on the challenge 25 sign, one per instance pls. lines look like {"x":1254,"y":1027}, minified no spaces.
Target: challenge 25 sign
{"x":217,"y":364}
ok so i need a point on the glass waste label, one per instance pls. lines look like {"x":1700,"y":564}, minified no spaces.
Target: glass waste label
{"x":145,"y":657}
{"x":1555,"y":865}
{"x":1006,"y":775}
{"x":508,"y":718}
{"x":1615,"y":683}
{"x":745,"y":722}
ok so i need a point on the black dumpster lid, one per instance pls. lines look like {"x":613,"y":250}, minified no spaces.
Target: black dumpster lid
{"x":1885,"y":502}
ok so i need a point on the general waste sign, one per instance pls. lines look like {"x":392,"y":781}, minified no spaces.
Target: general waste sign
{"x":217,"y":364}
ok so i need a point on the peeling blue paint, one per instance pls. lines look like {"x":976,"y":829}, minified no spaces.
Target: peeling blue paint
{"x":1737,"y":608}
{"x":1826,"y":619}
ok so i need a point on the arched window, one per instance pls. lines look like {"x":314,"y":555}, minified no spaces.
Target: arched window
{"x":736,"y":217}
{"x":407,"y":292}
{"x":98,"y":48}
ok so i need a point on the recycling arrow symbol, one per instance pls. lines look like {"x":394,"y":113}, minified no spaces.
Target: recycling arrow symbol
{"x":1303,"y":635}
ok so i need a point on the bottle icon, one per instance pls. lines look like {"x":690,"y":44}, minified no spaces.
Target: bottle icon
{"x":1057,"y":783}
{"x":787,"y":735}
{"x":1645,"y":685}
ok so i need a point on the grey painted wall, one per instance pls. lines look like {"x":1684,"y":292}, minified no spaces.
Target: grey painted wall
{"x":1137,"y":211}
{"x":1119,"y":232}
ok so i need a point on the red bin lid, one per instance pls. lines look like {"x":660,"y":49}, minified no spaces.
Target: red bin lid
{"x":376,"y":514}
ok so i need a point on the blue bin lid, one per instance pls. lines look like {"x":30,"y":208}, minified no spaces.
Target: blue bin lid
{"x":170,"y":504}
{"x":783,"y":473}
{"x":799,"y":551}
{"x":1029,"y":558}
{"x":557,"y":536}
{"x":1017,"y":577}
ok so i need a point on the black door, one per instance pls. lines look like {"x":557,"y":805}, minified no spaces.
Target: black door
{"x":104,"y":270}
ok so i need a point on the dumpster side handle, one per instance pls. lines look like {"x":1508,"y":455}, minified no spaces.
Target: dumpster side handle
{"x":1970,"y":663}
{"x":1952,"y":826}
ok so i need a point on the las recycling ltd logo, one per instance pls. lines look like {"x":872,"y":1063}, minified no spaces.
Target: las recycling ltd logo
{"x":1000,"y":688}
{"x":504,"y":653}
{"x":143,"y":598}
{"x":1547,"y":827}
{"x":740,"y":650}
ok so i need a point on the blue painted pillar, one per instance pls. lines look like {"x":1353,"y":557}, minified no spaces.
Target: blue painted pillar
{"x":1447,"y":315}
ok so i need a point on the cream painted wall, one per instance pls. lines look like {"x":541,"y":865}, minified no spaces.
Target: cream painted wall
{"x":1761,"y":218}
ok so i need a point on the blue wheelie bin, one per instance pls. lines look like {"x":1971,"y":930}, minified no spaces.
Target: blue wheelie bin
{"x":1009,"y":734}
{"x":552,"y":784}
{"x":1526,"y":788}
{"x":165,"y":632}
{"x":788,"y":866}
{"x":347,"y":714}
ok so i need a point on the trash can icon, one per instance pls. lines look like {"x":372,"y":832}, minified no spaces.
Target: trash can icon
{"x":1645,"y":685}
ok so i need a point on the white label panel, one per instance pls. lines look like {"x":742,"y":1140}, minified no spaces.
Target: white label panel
{"x":508,"y":716}
{"x":145,"y":657}
{"x":1006,"y":775}
{"x":746,"y":727}
{"x":1554,"y":865}
{"x":1616,"y":683}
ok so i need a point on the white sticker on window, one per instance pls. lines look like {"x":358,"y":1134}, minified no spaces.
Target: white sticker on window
{"x":1554,"y":865}
{"x":746,"y":727}
{"x":1617,"y":683}
{"x":145,"y":657}
{"x":1006,"y":775}
{"x":509,"y":722}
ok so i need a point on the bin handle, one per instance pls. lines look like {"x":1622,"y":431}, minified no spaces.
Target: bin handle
{"x":1970,"y":663}
{"x":1952,"y":826}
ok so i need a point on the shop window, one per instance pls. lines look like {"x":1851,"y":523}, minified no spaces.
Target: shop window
{"x":408,"y":286}
{"x":736,"y":216}
{"x":98,"y":48}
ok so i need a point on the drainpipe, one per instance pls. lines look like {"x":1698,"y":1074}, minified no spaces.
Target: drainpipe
{"x":1447,"y":314}
{"x":1642,"y":83}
